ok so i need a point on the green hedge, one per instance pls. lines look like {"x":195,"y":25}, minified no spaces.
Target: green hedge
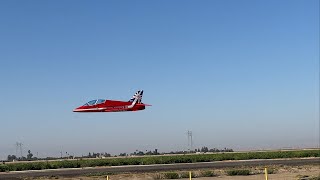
{"x":191,"y":158}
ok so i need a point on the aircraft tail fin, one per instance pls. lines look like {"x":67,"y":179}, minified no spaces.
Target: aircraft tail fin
{"x":137,"y":96}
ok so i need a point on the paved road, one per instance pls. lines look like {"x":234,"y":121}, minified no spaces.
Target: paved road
{"x":159,"y":167}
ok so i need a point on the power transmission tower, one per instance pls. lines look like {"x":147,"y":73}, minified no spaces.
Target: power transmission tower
{"x":19,"y":147}
{"x":190,"y":142}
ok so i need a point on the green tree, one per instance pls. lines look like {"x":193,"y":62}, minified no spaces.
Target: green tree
{"x":11,"y":157}
{"x":29,"y":155}
{"x":204,"y":149}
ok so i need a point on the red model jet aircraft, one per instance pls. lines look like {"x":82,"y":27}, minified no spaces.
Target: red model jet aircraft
{"x":101,"y":105}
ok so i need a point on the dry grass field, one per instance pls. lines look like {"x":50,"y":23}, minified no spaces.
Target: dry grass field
{"x":256,"y":173}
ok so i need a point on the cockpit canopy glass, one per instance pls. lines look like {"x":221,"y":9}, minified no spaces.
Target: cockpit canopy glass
{"x":100,"y":101}
{"x":94,"y":102}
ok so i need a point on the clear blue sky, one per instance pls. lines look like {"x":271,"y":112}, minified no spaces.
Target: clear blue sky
{"x":239,"y":74}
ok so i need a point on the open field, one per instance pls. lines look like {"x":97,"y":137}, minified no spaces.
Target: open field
{"x":279,"y":173}
{"x":148,"y":160}
{"x":74,"y":172}
{"x":305,"y":172}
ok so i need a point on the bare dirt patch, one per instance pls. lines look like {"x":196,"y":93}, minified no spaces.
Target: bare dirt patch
{"x":256,"y":173}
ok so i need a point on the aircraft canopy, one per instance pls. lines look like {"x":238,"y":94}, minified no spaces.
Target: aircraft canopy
{"x":94,"y":102}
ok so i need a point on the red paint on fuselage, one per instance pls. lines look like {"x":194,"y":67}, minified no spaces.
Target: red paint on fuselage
{"x":110,"y":106}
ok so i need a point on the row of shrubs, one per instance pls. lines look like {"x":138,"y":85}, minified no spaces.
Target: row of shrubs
{"x":206,"y":173}
{"x":185,"y":174}
{"x":179,"y":175}
{"x":156,"y":160}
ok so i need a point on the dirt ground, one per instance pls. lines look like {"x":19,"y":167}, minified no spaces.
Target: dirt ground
{"x":279,"y":173}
